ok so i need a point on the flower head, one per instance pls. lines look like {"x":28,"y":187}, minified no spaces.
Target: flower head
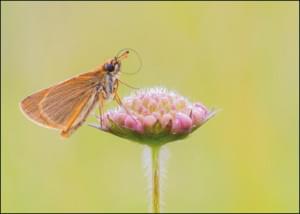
{"x":155,"y":116}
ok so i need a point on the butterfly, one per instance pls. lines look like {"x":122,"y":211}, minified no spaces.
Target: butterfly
{"x":66,"y":105}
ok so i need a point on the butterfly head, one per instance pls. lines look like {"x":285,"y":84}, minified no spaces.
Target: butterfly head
{"x":113,"y":66}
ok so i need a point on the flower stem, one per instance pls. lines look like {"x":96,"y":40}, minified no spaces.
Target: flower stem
{"x":155,"y":178}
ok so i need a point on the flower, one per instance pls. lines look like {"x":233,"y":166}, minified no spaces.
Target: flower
{"x":155,"y":116}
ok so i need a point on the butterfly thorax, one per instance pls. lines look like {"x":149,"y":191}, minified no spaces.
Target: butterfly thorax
{"x":109,"y":79}
{"x":109,"y":86}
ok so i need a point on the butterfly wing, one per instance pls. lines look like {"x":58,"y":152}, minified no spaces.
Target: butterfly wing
{"x":66,"y":105}
{"x":30,"y":108}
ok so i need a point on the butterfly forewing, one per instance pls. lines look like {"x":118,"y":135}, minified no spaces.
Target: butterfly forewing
{"x":30,"y":107}
{"x":80,"y":114}
{"x":62,"y":106}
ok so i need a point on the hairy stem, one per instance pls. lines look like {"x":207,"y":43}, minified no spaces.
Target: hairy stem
{"x":155,"y":178}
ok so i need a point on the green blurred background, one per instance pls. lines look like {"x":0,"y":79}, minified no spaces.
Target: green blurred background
{"x":241,"y":57}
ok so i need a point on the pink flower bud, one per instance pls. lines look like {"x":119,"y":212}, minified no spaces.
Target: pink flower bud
{"x":149,"y":120}
{"x":146,"y":101}
{"x":156,"y":115}
{"x":201,"y":106}
{"x":182,"y":123}
{"x":119,"y":118}
{"x":152,"y":105}
{"x":176,"y":127}
{"x":137,"y":104}
{"x":139,"y":127}
{"x":166,"y":118}
{"x":198,"y":115}
{"x":130,"y":122}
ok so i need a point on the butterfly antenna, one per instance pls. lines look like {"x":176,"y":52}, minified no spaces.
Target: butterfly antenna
{"x":124,"y":53}
{"x":126,"y":84}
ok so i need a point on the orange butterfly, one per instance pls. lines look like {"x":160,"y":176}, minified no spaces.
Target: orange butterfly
{"x":65,"y":106}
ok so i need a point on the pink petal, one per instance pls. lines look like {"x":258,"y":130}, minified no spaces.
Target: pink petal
{"x":166,"y":118}
{"x":139,"y":127}
{"x":145,"y":101}
{"x":176,"y":127}
{"x":152,"y":106}
{"x":149,"y":120}
{"x":185,"y":121}
{"x":201,"y":106}
{"x":130,"y":122}
{"x":106,"y":122}
{"x":119,"y":118}
{"x":156,"y":115}
{"x":198,"y":115}
{"x":137,"y":104}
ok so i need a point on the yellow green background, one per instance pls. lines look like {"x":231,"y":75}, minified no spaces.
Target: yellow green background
{"x":241,"y":57}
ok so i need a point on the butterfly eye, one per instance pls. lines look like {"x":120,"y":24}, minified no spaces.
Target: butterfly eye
{"x":109,"y":67}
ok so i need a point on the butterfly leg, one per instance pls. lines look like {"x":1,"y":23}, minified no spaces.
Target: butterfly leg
{"x":101,"y":103}
{"x":119,"y":101}
{"x":116,"y":96}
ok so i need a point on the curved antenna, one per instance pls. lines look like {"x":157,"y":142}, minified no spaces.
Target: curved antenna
{"x":126,"y":84}
{"x":121,"y":53}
